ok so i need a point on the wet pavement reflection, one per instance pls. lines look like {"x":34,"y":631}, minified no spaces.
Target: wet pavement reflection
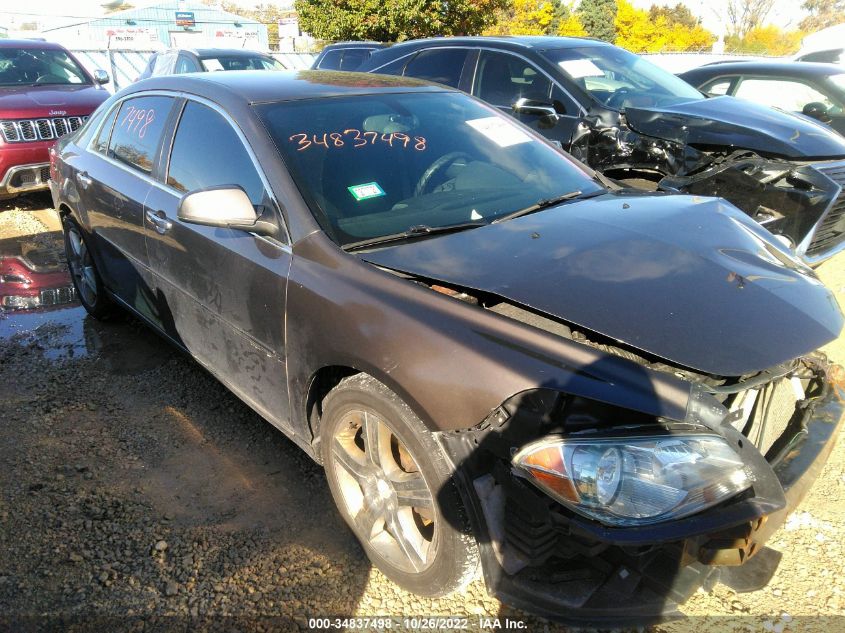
{"x":39,"y":309}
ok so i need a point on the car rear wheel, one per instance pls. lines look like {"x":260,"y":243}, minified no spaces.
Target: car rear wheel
{"x":83,"y":271}
{"x":394,"y":487}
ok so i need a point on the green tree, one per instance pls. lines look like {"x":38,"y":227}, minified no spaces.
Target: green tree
{"x":598,"y":18}
{"x":679,"y":14}
{"x":393,"y":20}
{"x":524,"y":17}
{"x":823,"y":13}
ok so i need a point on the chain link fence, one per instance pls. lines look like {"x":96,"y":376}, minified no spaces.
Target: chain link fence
{"x":124,"y":66}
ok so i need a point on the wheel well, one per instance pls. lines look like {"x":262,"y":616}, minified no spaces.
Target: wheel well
{"x":322,"y":382}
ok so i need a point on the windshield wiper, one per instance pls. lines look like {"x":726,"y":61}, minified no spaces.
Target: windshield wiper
{"x":545,"y":203}
{"x":414,"y":232}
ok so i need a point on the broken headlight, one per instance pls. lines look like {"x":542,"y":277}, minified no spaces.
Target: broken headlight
{"x":635,"y":480}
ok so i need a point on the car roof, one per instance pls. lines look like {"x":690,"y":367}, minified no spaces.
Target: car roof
{"x":30,"y":44}
{"x":232,"y":52}
{"x":774,"y":68}
{"x":356,"y":44}
{"x":256,"y":86}
{"x":515,"y":41}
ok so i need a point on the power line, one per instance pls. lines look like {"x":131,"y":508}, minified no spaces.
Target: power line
{"x":125,"y":18}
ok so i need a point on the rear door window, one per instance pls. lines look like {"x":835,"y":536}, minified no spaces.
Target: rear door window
{"x":138,"y":130}
{"x":353,"y":58}
{"x":331,"y":60}
{"x":442,"y":65}
{"x":501,"y":79}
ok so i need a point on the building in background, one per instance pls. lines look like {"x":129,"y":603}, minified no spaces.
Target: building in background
{"x":168,"y":24}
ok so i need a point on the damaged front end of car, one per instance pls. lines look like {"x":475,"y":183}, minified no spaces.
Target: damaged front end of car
{"x":798,"y":198}
{"x":589,"y":512}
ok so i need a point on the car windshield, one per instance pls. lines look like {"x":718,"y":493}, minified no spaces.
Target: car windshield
{"x":30,"y":66}
{"x":619,"y":79}
{"x":240,"y":62}
{"x":381,"y":164}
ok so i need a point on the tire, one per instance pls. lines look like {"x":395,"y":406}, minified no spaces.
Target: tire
{"x":87,"y":282}
{"x":437,"y":552}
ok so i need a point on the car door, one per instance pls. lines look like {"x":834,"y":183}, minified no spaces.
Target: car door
{"x":501,"y":79}
{"x":222,"y":290}
{"x":113,"y":183}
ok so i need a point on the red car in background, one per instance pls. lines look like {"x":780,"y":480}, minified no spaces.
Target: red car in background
{"x":44,"y":94}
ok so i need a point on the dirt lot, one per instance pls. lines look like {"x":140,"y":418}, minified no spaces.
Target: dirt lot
{"x":133,"y":485}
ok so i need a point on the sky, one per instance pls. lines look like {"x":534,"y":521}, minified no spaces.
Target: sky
{"x":786,"y":13}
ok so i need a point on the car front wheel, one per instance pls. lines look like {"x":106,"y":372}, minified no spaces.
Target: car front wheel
{"x":394,"y":487}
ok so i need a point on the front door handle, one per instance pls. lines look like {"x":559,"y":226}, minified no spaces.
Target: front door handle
{"x":83,"y":179}
{"x":159,"y":221}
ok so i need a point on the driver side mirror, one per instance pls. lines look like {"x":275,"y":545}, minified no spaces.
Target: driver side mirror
{"x":225,"y":207}
{"x":533,"y":106}
{"x":101,"y":77}
{"x":817,"y":110}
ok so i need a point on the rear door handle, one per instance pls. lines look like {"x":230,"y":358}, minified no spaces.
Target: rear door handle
{"x":83,"y":179}
{"x":159,"y":221}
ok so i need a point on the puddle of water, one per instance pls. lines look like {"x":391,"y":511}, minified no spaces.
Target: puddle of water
{"x":58,"y":333}
{"x":39,"y":309}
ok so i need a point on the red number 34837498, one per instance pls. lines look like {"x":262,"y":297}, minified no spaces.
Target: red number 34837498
{"x":357,"y":139}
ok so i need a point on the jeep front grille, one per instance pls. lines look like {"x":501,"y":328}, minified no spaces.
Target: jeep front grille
{"x":28,"y":130}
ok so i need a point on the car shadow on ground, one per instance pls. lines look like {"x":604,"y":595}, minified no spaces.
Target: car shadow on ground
{"x":134,"y":486}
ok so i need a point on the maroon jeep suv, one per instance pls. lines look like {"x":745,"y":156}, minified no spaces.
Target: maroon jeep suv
{"x":44,"y":94}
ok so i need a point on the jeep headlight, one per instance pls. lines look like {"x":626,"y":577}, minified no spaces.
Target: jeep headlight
{"x":630,"y":481}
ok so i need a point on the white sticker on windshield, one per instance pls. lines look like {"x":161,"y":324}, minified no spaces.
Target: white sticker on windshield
{"x":577,"y":68}
{"x":212,"y":64}
{"x":500,"y":131}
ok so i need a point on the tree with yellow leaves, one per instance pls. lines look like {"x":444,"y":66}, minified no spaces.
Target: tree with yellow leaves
{"x":640,"y":32}
{"x":536,"y":17}
{"x":524,"y":17}
{"x":766,"y":40}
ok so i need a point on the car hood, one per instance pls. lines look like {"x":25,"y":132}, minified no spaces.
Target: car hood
{"x":731,"y":122}
{"x":46,"y":101}
{"x":691,"y":280}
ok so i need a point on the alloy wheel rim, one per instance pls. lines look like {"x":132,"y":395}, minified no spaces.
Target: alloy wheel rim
{"x":82,"y":267}
{"x":385,"y":493}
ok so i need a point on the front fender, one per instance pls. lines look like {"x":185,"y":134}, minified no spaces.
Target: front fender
{"x":452,"y":362}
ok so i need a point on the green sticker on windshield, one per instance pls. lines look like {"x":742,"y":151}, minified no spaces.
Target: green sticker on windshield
{"x":366,"y":191}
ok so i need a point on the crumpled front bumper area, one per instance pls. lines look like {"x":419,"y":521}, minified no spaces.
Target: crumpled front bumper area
{"x":538,"y":556}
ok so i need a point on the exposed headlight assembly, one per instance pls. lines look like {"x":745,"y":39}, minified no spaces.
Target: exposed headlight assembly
{"x":631,"y":481}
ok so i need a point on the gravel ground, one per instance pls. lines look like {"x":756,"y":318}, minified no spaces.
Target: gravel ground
{"x":133,"y":485}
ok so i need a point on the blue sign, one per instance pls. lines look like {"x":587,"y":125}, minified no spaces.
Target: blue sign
{"x":185,"y":18}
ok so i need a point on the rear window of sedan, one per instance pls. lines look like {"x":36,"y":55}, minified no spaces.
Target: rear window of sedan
{"x":240,"y":62}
